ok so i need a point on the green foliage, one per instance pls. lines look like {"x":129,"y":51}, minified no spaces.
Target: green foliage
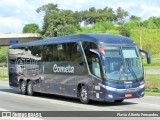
{"x":150,"y":39}
{"x":66,"y":30}
{"x":58,"y":22}
{"x":113,"y":31}
{"x":93,"y":15}
{"x":103,"y":26}
{"x":135,"y":18}
{"x":131,"y":25}
{"x":48,"y":8}
{"x":3,"y":56}
{"x":31,"y":28}
{"x":99,"y":27}
{"x":152,"y":23}
{"x":124,"y":31}
{"x":121,"y":14}
{"x":85,"y":30}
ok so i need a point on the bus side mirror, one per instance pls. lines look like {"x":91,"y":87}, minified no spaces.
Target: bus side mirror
{"x":100,"y":54}
{"x":145,"y":53}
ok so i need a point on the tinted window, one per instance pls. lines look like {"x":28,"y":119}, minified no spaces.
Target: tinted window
{"x":64,"y":54}
{"x":47,"y":53}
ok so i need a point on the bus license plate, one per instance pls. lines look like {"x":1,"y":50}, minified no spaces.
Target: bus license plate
{"x":128,"y":95}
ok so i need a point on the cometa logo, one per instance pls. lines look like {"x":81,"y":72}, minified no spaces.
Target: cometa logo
{"x":62,"y":69}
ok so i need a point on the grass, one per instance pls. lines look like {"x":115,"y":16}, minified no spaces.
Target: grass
{"x":152,"y":67}
{"x":3,"y":72}
{"x":155,"y":64}
{"x":150,"y":39}
{"x":152,"y":93}
{"x":152,"y":83}
{"x":3,"y":78}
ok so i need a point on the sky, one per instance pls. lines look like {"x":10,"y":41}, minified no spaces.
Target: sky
{"x":14,"y":14}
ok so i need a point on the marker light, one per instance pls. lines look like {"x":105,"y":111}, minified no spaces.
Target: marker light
{"x":101,"y":49}
{"x":110,"y":88}
{"x":142,"y":86}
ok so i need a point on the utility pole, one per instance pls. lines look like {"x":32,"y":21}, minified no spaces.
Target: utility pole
{"x":140,"y":36}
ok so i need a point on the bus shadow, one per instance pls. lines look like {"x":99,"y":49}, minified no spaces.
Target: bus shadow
{"x":97,"y":103}
{"x":15,"y":91}
{"x":77,"y":101}
{"x":70,"y":99}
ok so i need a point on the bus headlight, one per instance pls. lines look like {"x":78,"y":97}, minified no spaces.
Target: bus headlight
{"x":141,"y":86}
{"x":110,"y":88}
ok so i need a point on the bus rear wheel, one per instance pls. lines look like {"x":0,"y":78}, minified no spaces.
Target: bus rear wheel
{"x":30,"y":88}
{"x":84,"y":94}
{"x":23,"y":87}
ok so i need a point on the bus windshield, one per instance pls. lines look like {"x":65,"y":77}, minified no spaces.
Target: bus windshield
{"x":123,"y":63}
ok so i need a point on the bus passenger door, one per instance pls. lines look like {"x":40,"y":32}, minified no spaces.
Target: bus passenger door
{"x":96,"y":72}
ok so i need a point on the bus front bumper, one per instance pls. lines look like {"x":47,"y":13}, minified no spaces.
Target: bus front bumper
{"x":120,"y":95}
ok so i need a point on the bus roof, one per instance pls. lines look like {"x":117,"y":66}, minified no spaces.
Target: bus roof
{"x":111,"y":39}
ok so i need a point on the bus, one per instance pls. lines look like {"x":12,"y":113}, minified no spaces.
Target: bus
{"x":100,"y":67}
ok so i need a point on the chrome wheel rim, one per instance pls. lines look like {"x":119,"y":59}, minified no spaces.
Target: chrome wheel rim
{"x":23,"y":87}
{"x":84,"y":94}
{"x":29,"y":88}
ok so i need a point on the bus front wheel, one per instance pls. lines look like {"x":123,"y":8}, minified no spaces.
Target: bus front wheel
{"x":84,"y":94}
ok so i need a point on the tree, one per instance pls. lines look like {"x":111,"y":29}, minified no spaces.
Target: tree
{"x":152,"y":23}
{"x":92,"y":9}
{"x":59,"y":22}
{"x":108,"y":9}
{"x":121,"y":14}
{"x":135,"y":18}
{"x":31,"y":28}
{"x":48,"y":8}
{"x":93,"y":16}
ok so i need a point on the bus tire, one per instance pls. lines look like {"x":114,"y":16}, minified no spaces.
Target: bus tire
{"x":118,"y":101}
{"x":30,"y":88}
{"x":23,"y":87}
{"x":84,"y":94}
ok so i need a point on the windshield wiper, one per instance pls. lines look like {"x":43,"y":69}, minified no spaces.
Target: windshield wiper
{"x":120,"y":73}
{"x":131,"y":69}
